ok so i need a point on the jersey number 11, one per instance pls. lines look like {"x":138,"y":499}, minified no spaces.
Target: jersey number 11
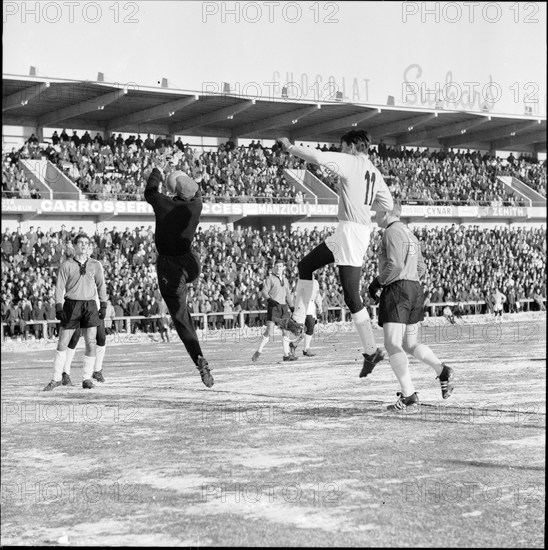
{"x":369,"y":188}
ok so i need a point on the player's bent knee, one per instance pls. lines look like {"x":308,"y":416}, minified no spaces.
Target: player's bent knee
{"x":410,"y":349}
{"x":393,"y":349}
{"x":353,"y":302}
{"x":90,"y":349}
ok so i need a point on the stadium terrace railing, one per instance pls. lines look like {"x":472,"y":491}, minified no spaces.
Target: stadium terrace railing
{"x":127,"y":321}
{"x":129,"y":197}
{"x":207,"y":198}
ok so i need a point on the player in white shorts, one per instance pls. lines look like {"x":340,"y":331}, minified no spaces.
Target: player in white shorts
{"x":361,"y":189}
{"x":315,"y":307}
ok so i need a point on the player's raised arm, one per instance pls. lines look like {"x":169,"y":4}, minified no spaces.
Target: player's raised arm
{"x":153,"y":184}
{"x":156,"y":177}
{"x":338,"y":163}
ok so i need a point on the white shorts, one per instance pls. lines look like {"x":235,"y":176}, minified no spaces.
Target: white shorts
{"x":349,"y":243}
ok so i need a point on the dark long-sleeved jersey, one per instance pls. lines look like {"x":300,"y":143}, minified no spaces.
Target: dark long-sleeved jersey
{"x":176,"y":219}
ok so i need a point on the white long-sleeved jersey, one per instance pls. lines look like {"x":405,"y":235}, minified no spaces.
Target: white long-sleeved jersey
{"x":362,"y":187}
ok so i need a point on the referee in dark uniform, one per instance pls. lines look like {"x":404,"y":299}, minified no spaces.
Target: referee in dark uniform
{"x":401,"y":267}
{"x":177,"y":218}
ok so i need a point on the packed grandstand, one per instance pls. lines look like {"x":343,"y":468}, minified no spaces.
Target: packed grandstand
{"x":467,"y":262}
{"x":115,"y":169}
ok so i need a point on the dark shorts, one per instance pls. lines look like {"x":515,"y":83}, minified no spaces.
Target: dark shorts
{"x":81,"y":314}
{"x":101,"y":335}
{"x":281,"y":311}
{"x":309,"y":324}
{"x":401,"y":302}
{"x":175,"y":272}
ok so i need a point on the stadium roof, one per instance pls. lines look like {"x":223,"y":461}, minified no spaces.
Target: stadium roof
{"x":111,"y":107}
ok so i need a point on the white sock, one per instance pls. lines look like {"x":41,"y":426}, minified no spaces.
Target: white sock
{"x":263,"y":343}
{"x":307,"y":340}
{"x":423,"y":353}
{"x":303,"y":295}
{"x":285,"y":344}
{"x":362,"y":322}
{"x":99,"y":356}
{"x":298,"y":340}
{"x":87,"y":371}
{"x":58,"y":363}
{"x":68,"y":360}
{"x":400,"y":366}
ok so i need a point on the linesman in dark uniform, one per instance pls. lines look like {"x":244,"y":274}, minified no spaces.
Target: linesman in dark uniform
{"x":401,"y":266}
{"x":177,"y":218}
{"x":80,"y":280}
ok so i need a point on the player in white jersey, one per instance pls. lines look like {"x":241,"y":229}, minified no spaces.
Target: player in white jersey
{"x":361,"y":189}
{"x":314,"y":307}
{"x":498,"y":299}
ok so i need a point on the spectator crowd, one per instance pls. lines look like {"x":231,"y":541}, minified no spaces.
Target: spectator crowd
{"x":464,"y":264}
{"x":116,"y":168}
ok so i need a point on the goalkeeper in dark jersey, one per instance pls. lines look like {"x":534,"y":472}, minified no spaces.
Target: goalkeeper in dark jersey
{"x":177,"y":218}
{"x":79,"y":280}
